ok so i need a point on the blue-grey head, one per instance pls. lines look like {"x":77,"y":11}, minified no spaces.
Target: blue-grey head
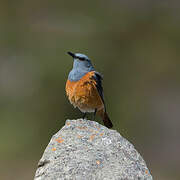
{"x":81,"y":65}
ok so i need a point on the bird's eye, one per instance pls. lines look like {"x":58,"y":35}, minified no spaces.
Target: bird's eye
{"x":81,"y":58}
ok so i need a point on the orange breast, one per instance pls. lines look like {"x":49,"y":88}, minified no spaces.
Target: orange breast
{"x":84,"y":94}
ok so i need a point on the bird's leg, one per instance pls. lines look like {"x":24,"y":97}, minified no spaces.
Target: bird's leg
{"x":94,"y":114}
{"x":84,"y":115}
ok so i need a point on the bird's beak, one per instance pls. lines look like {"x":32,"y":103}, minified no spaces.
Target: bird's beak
{"x":71,"y":54}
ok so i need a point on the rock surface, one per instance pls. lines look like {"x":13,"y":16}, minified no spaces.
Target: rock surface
{"x":86,"y":150}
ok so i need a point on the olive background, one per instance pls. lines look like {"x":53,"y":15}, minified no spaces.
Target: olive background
{"x":134,"y":44}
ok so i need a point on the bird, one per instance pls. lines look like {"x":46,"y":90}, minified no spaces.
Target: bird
{"x":84,"y":88}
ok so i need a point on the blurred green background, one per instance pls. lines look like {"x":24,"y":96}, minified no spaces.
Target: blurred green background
{"x":134,"y":44}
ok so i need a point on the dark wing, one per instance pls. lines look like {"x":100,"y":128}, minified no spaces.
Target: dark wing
{"x":98,"y":78}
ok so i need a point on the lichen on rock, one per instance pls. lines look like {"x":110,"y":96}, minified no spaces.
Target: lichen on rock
{"x":86,"y":150}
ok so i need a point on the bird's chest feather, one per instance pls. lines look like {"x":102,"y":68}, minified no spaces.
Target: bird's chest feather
{"x":83,"y":93}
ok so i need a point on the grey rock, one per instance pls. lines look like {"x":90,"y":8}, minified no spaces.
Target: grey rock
{"x":86,"y":150}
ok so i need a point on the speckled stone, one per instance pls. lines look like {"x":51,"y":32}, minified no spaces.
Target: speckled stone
{"x":86,"y":150}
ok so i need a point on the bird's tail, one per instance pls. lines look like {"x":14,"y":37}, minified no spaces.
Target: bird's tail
{"x":105,"y":118}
